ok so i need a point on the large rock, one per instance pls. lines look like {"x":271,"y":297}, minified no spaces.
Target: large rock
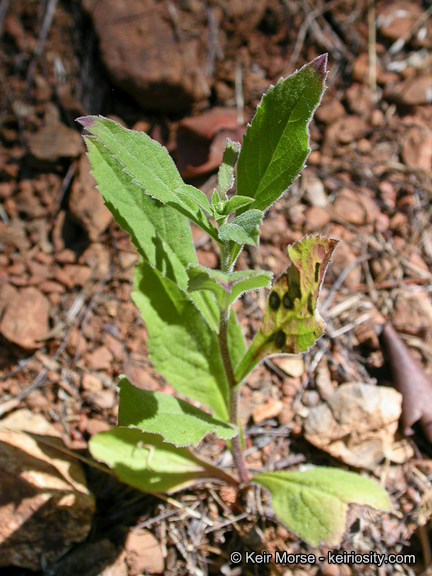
{"x":158,"y":51}
{"x":45,"y":505}
{"x":356,"y":424}
{"x":143,"y":56}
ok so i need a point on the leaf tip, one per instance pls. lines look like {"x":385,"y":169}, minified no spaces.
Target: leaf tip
{"x":85,"y":121}
{"x":320,"y":65}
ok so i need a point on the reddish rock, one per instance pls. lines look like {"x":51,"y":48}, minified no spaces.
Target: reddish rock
{"x":272,"y":229}
{"x":382,"y":223}
{"x":102,"y":399}
{"x":396,"y":19}
{"x":330,"y":111}
{"x":26,"y":319}
{"x":286,"y":414}
{"x":412,"y":312}
{"x":316,"y":219}
{"x":399,"y":224}
{"x":360,"y":99}
{"x":360,"y":69}
{"x":140,"y":49}
{"x":413,"y":92}
{"x":345,"y":130}
{"x":99,"y":359}
{"x":27,"y":202}
{"x":50,"y":287}
{"x":142,"y":126}
{"x":201,"y":140}
{"x":141,"y":377}
{"x":94,"y":426}
{"x":73,"y":275}
{"x":91,"y":382}
{"x":42,"y":90}
{"x":348,"y":206}
{"x":13,"y":236}
{"x":86,"y":203}
{"x":208,"y":259}
{"x":417,"y":148}
{"x":97,"y":257}
{"x":38,"y":402}
{"x":66,"y":256}
{"x":143,"y":553}
{"x":7,"y":294}
{"x":380,"y":267}
{"x":115,"y":346}
{"x":343,"y":258}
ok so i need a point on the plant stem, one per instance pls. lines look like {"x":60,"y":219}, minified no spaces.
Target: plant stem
{"x":236,"y":447}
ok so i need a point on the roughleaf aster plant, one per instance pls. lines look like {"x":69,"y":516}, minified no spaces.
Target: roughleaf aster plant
{"x":195,"y":340}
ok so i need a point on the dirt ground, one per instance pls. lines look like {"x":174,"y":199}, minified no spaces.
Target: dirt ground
{"x":190,"y":73}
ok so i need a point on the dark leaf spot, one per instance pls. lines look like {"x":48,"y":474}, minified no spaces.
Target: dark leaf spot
{"x":274,"y":301}
{"x":295,"y":290}
{"x":310,"y":304}
{"x":287,"y":301}
{"x":317,"y":269}
{"x":280,"y":339}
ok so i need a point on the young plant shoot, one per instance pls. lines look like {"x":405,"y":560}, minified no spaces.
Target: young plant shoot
{"x":195,"y":340}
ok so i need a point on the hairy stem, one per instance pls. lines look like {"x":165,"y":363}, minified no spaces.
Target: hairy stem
{"x":236,"y":447}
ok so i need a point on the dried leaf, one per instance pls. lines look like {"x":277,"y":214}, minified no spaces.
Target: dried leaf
{"x":291,"y":321}
{"x":411,"y":381}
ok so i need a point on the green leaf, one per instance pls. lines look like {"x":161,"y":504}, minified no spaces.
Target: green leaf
{"x":235,"y":203}
{"x":291,"y":321}
{"x":193,"y":197}
{"x":160,"y":233}
{"x":146,"y":462}
{"x":276,"y":143}
{"x":149,"y":165}
{"x":226,"y":287}
{"x":314,"y":503}
{"x":177,"y":421}
{"x":182,"y":346}
{"x":226,"y":169}
{"x":242,"y":229}
{"x":236,"y":341}
{"x":216,"y":201}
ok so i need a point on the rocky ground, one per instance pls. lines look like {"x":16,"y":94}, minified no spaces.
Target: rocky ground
{"x":190,"y":74}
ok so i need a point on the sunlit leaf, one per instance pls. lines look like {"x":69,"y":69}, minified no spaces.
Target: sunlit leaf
{"x":242,"y":229}
{"x":314,"y":503}
{"x":150,"y":167}
{"x":226,"y":169}
{"x":146,"y":462}
{"x":276,"y":143}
